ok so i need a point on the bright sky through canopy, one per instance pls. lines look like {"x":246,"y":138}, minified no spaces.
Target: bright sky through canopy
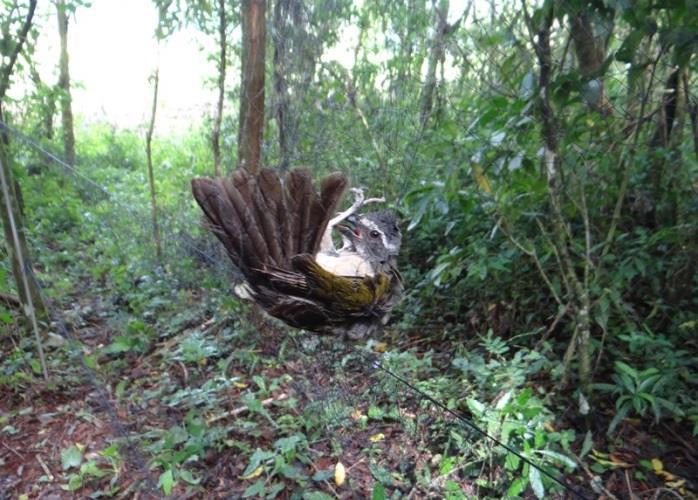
{"x":113,"y":52}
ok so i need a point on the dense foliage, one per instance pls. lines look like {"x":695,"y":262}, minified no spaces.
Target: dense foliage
{"x":544,"y":162}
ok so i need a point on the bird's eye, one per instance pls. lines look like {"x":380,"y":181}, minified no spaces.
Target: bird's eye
{"x":374,"y":234}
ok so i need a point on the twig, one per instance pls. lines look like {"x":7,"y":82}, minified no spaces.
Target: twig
{"x":21,"y":38}
{"x":631,"y":494}
{"x":184,"y":372}
{"x":14,"y":451}
{"x":594,"y":480}
{"x":666,"y":490}
{"x":531,"y":253}
{"x":561,"y":314}
{"x":359,"y":201}
{"x":243,"y":409}
{"x":44,"y":467}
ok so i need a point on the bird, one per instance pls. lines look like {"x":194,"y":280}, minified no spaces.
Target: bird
{"x":279,"y":234}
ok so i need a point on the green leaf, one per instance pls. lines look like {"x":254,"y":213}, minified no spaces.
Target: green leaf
{"x":74,"y":482}
{"x":559,"y":457}
{"x":91,"y":469}
{"x":189,"y":477}
{"x":512,"y":462}
{"x":587,"y":444}
{"x":536,"y":482}
{"x":256,"y":489}
{"x":256,"y":460}
{"x":378,"y":492}
{"x":625,"y":368}
{"x":289,"y":444}
{"x":323,"y":475}
{"x":71,"y":457}
{"x":517,"y":486}
{"x":316,"y":495}
{"x":274,"y":490}
{"x":6,"y":317}
{"x":90,"y":361}
{"x":446,"y":465}
{"x":166,"y":481}
{"x":622,"y":412}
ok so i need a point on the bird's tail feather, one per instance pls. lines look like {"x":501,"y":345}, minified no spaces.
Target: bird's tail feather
{"x":263,"y":222}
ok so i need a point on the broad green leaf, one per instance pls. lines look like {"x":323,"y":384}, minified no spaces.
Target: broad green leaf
{"x":323,"y":475}
{"x":71,"y":457}
{"x":189,"y":477}
{"x":257,"y":458}
{"x":74,"y":482}
{"x":559,"y":457}
{"x":166,"y":481}
{"x":286,"y":445}
{"x":536,"y":483}
{"x":512,"y":462}
{"x":256,"y":489}
{"x":517,"y":486}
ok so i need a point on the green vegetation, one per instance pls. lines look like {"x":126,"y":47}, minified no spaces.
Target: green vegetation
{"x":544,"y":162}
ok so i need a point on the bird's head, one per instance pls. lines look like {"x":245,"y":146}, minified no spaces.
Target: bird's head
{"x":375,"y":236}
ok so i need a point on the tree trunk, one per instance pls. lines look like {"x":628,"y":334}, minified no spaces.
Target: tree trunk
{"x":64,"y":86}
{"x":296,"y":51}
{"x":34,"y":297}
{"x":47,"y":96}
{"x":436,"y":55}
{"x":222,"y":65}
{"x":669,"y":125}
{"x":591,"y":52}
{"x":151,"y":177}
{"x":281,"y":104}
{"x":14,"y":190}
{"x":251,"y":126}
{"x":577,"y":291}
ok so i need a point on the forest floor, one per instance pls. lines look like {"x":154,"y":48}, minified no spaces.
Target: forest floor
{"x":191,"y":401}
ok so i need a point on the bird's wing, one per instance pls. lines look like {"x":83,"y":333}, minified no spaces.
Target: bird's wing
{"x":311,"y":297}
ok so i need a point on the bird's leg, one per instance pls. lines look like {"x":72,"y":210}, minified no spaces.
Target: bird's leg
{"x":326,"y":244}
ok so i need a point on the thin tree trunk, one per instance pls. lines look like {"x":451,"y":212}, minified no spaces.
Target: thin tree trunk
{"x":296,"y":52}
{"x":670,"y":119}
{"x":222,"y":65}
{"x":48,"y":103}
{"x":64,"y":86}
{"x":693,"y":113}
{"x":436,"y":55}
{"x":576,"y":289}
{"x":251,"y":125}
{"x":34,"y":296}
{"x":281,"y":107}
{"x":151,"y":177}
{"x":18,"y":253}
{"x":591,"y":52}
{"x":14,"y":189}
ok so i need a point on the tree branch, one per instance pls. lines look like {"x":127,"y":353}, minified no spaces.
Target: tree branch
{"x":21,"y":38}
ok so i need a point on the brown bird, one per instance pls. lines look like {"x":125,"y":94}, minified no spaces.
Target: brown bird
{"x":279,"y":235}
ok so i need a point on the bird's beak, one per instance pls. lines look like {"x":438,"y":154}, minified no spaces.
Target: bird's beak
{"x":349,"y":228}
